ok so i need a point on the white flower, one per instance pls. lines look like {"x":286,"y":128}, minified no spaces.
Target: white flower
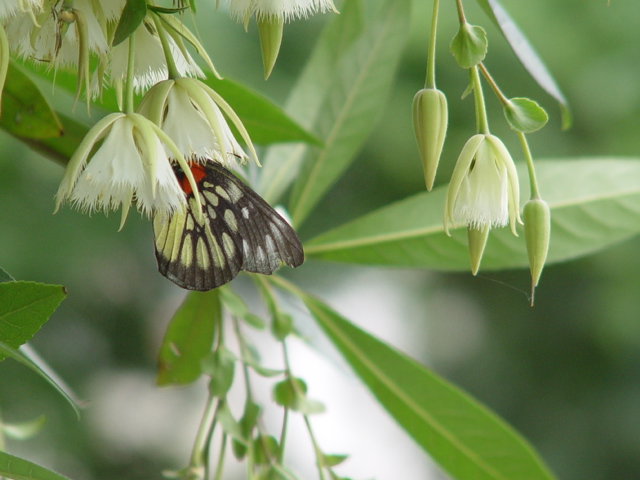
{"x":130,"y":165}
{"x":58,"y":35}
{"x":149,"y":59}
{"x":281,"y":9}
{"x":11,"y":7}
{"x":484,"y":190}
{"x":190,"y":113}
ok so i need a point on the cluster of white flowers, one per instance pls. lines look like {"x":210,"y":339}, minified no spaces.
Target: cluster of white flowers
{"x":180,"y":120}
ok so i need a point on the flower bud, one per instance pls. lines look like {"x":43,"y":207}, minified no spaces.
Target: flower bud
{"x":270,"y":30}
{"x":537,"y":231}
{"x":477,"y":240}
{"x":430,"y":118}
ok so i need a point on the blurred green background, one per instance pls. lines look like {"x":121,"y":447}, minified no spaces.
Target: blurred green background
{"x":565,"y":373}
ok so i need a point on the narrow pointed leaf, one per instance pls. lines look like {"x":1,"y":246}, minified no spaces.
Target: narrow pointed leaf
{"x":594,"y":203}
{"x":60,"y":148}
{"x":527,"y":55}
{"x":21,"y":469}
{"x":26,"y":113}
{"x":266,"y":122}
{"x":353,"y":103}
{"x":132,"y":16}
{"x":188,"y":338}
{"x":462,"y":435}
{"x":24,"y":430}
{"x":24,"y":308}
{"x":282,"y":162}
{"x":41,"y":369}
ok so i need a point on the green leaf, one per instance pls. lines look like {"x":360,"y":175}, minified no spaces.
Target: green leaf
{"x":266,"y":122}
{"x":462,"y":435}
{"x":30,"y":359}
{"x":229,"y":424}
{"x":221,"y":366}
{"x":469,"y":46}
{"x":21,"y":469}
{"x":247,"y":423}
{"x":60,"y":148}
{"x":5,"y":277}
{"x":265,"y":449}
{"x":352,"y":104}
{"x":132,"y":16}
{"x":292,"y":393}
{"x":282,"y":162}
{"x":281,"y":325}
{"x":188,"y":338}
{"x":594,"y":203}
{"x":525,"y":115}
{"x":254,"y":321}
{"x":332,"y":460}
{"x":24,"y":308}
{"x":527,"y":55}
{"x":340,"y":96}
{"x":24,"y":430}
{"x":26,"y":113}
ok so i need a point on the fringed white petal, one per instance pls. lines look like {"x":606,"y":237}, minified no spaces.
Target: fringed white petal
{"x":283,"y":9}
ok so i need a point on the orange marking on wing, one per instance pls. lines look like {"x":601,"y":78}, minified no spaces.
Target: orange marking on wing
{"x":198,"y":172}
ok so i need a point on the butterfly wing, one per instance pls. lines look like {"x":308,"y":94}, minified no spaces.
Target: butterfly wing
{"x":239,"y":231}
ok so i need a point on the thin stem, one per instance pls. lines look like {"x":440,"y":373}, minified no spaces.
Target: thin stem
{"x":243,"y":352}
{"x":494,"y":86}
{"x":461,"y":16}
{"x":283,"y":435}
{"x":128,"y":87}
{"x":220,"y":466}
{"x":318,"y":452}
{"x":533,"y":182}
{"x":200,"y":450}
{"x":171,"y":64}
{"x":431,"y":56}
{"x":482,"y":124}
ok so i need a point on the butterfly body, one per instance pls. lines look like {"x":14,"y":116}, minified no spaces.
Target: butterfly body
{"x":239,"y":231}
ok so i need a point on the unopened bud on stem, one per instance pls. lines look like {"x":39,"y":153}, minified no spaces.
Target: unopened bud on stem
{"x":537,"y":232}
{"x":430,"y":118}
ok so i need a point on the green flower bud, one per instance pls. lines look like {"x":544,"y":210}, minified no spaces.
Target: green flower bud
{"x":430,"y":118}
{"x":270,"y":30}
{"x":477,"y":240}
{"x":537,"y":231}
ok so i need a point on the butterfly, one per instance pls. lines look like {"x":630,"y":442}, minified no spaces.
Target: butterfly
{"x":238,"y":231}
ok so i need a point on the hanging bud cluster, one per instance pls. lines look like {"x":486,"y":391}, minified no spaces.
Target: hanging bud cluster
{"x":483,"y":191}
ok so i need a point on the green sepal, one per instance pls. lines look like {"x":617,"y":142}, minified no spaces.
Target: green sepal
{"x":525,"y":115}
{"x":477,"y":240}
{"x":270,"y":31}
{"x":469,"y":46}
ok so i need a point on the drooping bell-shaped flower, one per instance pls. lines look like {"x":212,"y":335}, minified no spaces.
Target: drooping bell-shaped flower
{"x":131,"y":165}
{"x":191,"y":114}
{"x":484,"y":188}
